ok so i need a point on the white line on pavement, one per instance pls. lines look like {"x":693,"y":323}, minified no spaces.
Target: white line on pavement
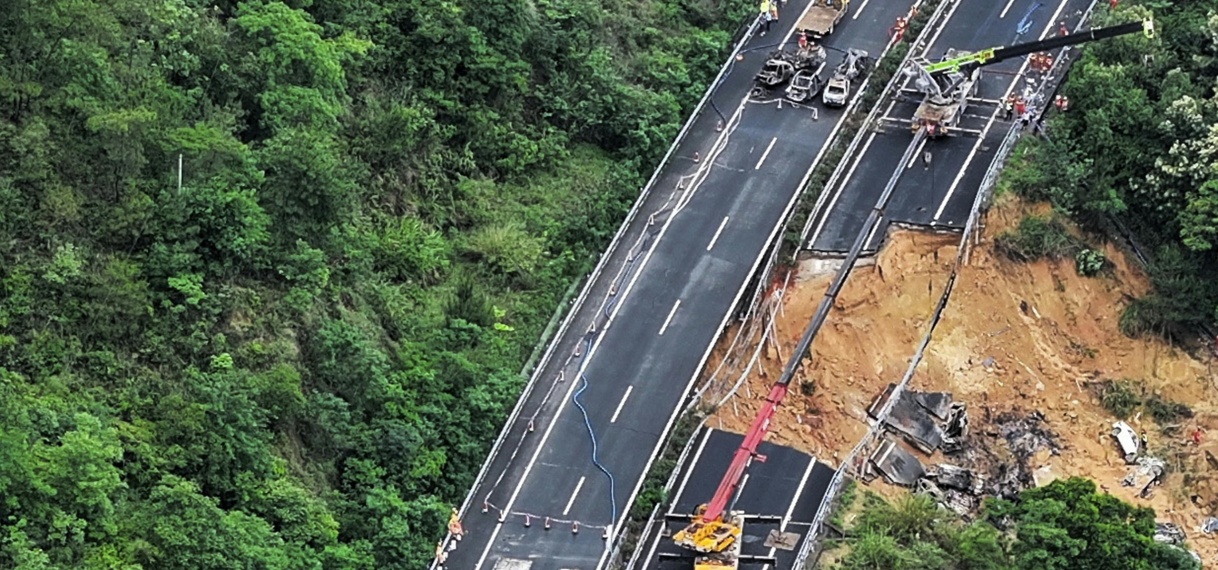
{"x":860,"y":10}
{"x":715,"y":238}
{"x":836,"y":195}
{"x":916,"y":154}
{"x":621,"y":405}
{"x":993,"y":117}
{"x":693,"y":462}
{"x":782,"y":526}
{"x":575,"y":493}
{"x":1007,"y":9}
{"x":670,"y":315}
{"x":766,"y":153}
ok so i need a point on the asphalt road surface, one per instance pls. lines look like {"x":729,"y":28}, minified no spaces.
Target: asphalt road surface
{"x":716,"y":217}
{"x":939,"y":195}
{"x":788,"y":484}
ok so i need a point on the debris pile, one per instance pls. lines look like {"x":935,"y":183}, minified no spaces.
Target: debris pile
{"x":1148,"y":472}
{"x":932,"y":422}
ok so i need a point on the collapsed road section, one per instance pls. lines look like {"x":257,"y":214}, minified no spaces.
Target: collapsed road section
{"x":571,"y":458}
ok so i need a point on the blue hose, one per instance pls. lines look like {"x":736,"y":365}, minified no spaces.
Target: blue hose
{"x":592,"y":436}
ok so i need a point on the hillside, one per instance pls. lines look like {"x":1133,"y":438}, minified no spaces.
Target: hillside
{"x":269,"y":271}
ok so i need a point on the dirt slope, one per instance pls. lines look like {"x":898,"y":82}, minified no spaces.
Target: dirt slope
{"x":1041,"y":360}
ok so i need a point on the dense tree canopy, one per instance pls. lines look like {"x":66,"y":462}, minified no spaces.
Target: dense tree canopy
{"x":1139,"y":148}
{"x":1066,"y":525}
{"x":298,"y":358}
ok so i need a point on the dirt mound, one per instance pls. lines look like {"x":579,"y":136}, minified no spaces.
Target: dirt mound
{"x":1016,"y":338}
{"x":866,"y":343}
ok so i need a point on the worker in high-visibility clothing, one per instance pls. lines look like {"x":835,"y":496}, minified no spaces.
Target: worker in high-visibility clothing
{"x":768,"y":15}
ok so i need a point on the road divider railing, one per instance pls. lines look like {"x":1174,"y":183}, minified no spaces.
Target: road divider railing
{"x":855,"y":459}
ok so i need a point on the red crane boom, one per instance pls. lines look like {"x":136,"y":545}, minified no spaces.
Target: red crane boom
{"x":747,"y":451}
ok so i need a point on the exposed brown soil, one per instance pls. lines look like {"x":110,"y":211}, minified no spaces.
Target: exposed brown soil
{"x":1042,"y":359}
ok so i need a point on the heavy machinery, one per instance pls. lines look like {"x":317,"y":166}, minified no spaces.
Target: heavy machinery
{"x":949,"y":83}
{"x":714,"y":531}
{"x":855,"y":65}
{"x":822,"y":17}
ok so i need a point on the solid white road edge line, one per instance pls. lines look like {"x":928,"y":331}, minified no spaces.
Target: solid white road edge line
{"x":833,"y":202}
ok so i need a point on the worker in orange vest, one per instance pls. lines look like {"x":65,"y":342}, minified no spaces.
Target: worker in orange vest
{"x":897,"y":32}
{"x":1063,"y":30}
{"x":1112,"y":4}
{"x":803,"y":41}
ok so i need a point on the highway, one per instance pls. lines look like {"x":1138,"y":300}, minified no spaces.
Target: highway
{"x":939,"y":196}
{"x":649,"y":321}
{"x":788,"y":484}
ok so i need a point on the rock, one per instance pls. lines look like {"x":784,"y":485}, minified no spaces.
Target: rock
{"x":1040,"y":386}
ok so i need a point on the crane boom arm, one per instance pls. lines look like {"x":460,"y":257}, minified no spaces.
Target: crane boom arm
{"x":998,"y":54}
{"x":726,"y":493}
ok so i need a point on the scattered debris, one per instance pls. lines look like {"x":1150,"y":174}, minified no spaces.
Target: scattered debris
{"x":1127,"y":439}
{"x":782,"y":540}
{"x":899,"y":466}
{"x":956,"y":488}
{"x":1149,"y":472}
{"x":1169,"y":533}
{"x":915,"y":413}
{"x":1210,"y":525}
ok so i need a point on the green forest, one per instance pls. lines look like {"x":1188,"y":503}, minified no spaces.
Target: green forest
{"x":297,"y":354}
{"x":270,"y":270}
{"x":1137,"y":153}
{"x":1065,"y":525}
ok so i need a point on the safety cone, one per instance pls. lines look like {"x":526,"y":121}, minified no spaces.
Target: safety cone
{"x":485,"y":507}
{"x":530,"y":426}
{"x":575,"y":527}
{"x":528,"y":521}
{"x":719,"y":126}
{"x":697,"y":157}
{"x":605,"y":535}
{"x":547,"y":524}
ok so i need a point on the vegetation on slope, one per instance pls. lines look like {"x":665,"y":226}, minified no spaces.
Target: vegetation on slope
{"x":1064,"y":525}
{"x":1138,"y":149}
{"x":298,"y":358}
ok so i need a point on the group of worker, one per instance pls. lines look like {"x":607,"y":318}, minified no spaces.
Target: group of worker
{"x":1014,"y":105}
{"x":769,"y":14}
{"x":1041,"y":61}
{"x":455,"y":529}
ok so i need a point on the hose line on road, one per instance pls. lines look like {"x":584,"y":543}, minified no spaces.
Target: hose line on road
{"x":592,"y":436}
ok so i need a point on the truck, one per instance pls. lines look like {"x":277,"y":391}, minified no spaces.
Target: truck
{"x":948,"y":83}
{"x":822,"y":17}
{"x":856,"y":65}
